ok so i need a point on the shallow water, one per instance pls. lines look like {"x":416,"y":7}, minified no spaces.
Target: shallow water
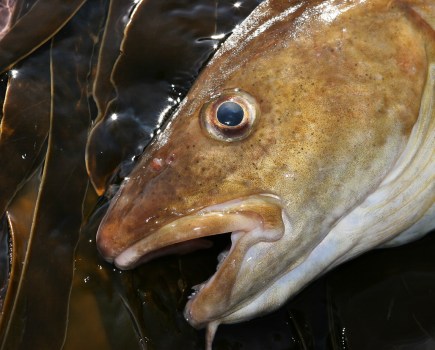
{"x":87,"y":100}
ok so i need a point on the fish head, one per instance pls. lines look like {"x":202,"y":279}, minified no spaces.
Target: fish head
{"x":290,"y":125}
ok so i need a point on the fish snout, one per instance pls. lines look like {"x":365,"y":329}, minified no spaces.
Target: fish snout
{"x":107,"y":248}
{"x":127,"y":221}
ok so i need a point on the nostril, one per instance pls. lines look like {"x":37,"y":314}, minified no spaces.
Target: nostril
{"x":156,"y":164}
{"x":170,"y":159}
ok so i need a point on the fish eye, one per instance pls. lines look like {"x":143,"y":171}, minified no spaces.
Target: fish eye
{"x":230,"y":113}
{"x":230,"y":116}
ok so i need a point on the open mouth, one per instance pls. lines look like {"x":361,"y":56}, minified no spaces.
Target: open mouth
{"x":235,"y":226}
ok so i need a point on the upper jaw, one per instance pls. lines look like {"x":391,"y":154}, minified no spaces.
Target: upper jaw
{"x":183,"y":232}
{"x":240,"y":215}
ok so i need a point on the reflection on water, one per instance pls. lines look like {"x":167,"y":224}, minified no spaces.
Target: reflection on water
{"x":88,"y":97}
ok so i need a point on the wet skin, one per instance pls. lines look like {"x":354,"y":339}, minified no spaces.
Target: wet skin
{"x":334,"y":155}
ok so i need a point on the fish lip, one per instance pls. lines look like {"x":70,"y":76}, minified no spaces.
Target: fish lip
{"x":226,"y":217}
{"x":250,"y":220}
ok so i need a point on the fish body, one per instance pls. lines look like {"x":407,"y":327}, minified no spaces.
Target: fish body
{"x":309,"y":136}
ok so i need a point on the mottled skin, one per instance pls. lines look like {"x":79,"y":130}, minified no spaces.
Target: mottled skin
{"x":339,"y":86}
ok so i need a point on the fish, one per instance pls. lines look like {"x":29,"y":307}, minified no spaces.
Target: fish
{"x":308,"y":138}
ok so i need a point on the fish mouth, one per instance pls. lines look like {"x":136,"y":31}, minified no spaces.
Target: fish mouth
{"x":249,"y":221}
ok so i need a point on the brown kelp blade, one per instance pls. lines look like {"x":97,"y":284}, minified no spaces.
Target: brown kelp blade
{"x":34,"y":28}
{"x":103,"y":89}
{"x":19,"y":218}
{"x":46,"y":279}
{"x":4,"y":260}
{"x":106,"y":147}
{"x":25,"y":122}
{"x":7,"y":10}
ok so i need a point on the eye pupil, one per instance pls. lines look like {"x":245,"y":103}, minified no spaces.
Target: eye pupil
{"x":230,"y":113}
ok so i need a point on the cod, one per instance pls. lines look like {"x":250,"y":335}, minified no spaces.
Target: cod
{"x":309,"y":137}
